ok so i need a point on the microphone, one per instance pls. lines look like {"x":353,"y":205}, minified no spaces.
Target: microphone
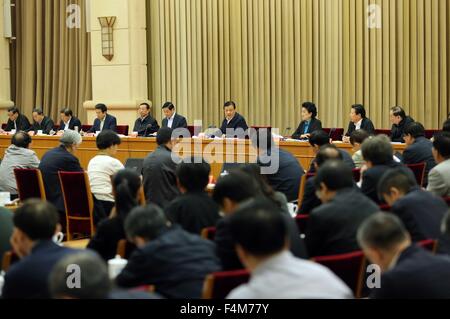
{"x":286,"y":132}
{"x":146,"y":129}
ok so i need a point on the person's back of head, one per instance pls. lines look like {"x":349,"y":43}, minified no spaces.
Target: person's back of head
{"x":259,"y":230}
{"x":94,"y":282}
{"x":394,"y":184}
{"x":145,"y":224}
{"x":262,"y":139}
{"x":126,"y":184}
{"x":414,"y":130}
{"x":260,"y":180}
{"x":378,"y":150}
{"x":21,"y":139}
{"x":441,"y":145}
{"x":70,"y":139}
{"x":326,"y":153}
{"x":382,"y":236}
{"x":193,"y":174}
{"x":358,"y":137}
{"x":335,"y":175}
{"x":446,"y":126}
{"x":319,"y":138}
{"x":233,"y":189}
{"x":106,"y":139}
{"x":164,"y":136}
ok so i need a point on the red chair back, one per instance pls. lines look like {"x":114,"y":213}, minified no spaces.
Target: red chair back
{"x":4,"y":125}
{"x":29,"y":184}
{"x":429,"y":244}
{"x":79,"y":204}
{"x":383,"y":132}
{"x":86,"y":128}
{"x":335,"y":133}
{"x":302,"y":222}
{"x":385,"y":207}
{"x":356,"y":174}
{"x":123,"y":129}
{"x":349,"y":267}
{"x":430,"y":133}
{"x":218,"y":285}
{"x":209,"y":233}
{"x":419,"y":172}
{"x":447,"y":200}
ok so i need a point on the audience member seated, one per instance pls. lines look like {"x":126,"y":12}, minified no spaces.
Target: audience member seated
{"x":399,"y":122}
{"x":309,"y":122}
{"x":231,"y":191}
{"x":408,"y":271}
{"x":332,"y":226}
{"x":439,"y":177}
{"x":419,"y":148}
{"x":321,"y":138}
{"x":420,"y":211}
{"x":35,"y":224}
{"x":104,"y":121}
{"x":61,"y":158}
{"x":68,"y":121}
{"x":171,"y":118}
{"x":173,"y":260}
{"x":146,"y":124}
{"x":159,"y":170}
{"x":379,"y":156}
{"x":6,"y":230}
{"x":446,"y":126}
{"x":262,"y":245}
{"x":194,"y":210}
{"x":41,"y":122}
{"x":17,"y":121}
{"x":357,"y":139}
{"x":358,"y":121}
{"x":17,"y":155}
{"x":310,"y":200}
{"x":234,"y":124}
{"x":100,"y":170}
{"x":282,"y":169}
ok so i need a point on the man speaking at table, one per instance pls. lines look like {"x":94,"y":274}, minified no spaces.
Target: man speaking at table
{"x":233,"y":121}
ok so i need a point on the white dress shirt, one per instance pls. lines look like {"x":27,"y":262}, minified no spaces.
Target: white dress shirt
{"x":358,"y":125}
{"x":66,"y":125}
{"x":170,"y":121}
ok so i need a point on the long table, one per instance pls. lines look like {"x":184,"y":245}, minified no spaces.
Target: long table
{"x":219,"y":150}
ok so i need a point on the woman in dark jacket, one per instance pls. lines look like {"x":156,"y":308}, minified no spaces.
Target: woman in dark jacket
{"x":309,"y":124}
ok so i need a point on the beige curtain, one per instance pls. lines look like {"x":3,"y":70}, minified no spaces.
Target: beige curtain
{"x":271,"y":55}
{"x":52,"y":62}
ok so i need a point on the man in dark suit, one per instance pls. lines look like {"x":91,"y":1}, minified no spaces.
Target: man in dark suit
{"x":408,"y":271}
{"x":35,"y":224}
{"x":358,"y":121}
{"x":159,"y":170}
{"x":419,"y":148}
{"x":173,"y":260}
{"x":310,"y":200}
{"x":420,"y":211}
{"x":146,"y":124}
{"x":399,"y":122}
{"x":332,"y":226}
{"x":194,"y":210}
{"x":231,"y":191}
{"x":41,"y":122}
{"x":319,"y":139}
{"x":309,"y":123}
{"x":171,"y":118}
{"x":59,"y":159}
{"x":17,"y":121}
{"x":104,"y":121}
{"x":234,"y":123}
{"x":379,"y":156}
{"x":68,"y":121}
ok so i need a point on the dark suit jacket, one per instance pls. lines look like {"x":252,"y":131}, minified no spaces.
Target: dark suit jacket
{"x":398,"y":129}
{"x":347,"y":158}
{"x":310,"y":200}
{"x":73,"y":122}
{"x":109,"y":233}
{"x":287,"y":178}
{"x":46,"y":125}
{"x":22,"y":124}
{"x":176,"y":263}
{"x":420,"y":152}
{"x":226,"y":244}
{"x":372,"y":176}
{"x":366,"y":125}
{"x":332,"y":227}
{"x":146,"y":127}
{"x":55,"y":160}
{"x":160,"y":181}
{"x":417,"y":275}
{"x":193,"y":211}
{"x":28,"y":278}
{"x":238,"y":121}
{"x":110,"y":124}
{"x":315,"y":125}
{"x":178,"y":122}
{"x":422,"y":213}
